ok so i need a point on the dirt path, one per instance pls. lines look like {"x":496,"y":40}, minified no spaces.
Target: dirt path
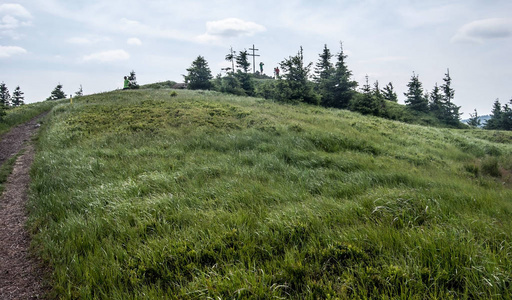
{"x":20,"y":276}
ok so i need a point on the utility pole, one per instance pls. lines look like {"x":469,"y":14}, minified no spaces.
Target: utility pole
{"x":253,"y":58}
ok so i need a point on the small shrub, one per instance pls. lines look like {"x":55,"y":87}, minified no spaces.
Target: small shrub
{"x":173,"y":94}
{"x":490,"y":167}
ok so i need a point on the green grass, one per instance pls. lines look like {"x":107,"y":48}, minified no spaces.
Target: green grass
{"x":5,"y":171}
{"x":24,"y":113}
{"x":144,"y":195}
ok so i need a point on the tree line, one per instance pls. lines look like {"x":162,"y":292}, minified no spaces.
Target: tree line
{"x":327,"y":83}
{"x":7,"y":101}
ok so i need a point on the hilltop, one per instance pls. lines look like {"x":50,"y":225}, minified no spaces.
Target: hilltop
{"x":192,"y":194}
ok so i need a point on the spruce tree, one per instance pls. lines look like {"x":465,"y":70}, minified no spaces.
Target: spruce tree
{"x":57,"y":93}
{"x":343,"y":88}
{"x":17,"y":97}
{"x":80,"y":92}
{"x":324,"y":67}
{"x":451,"y":111}
{"x":132,"y":78}
{"x":474,"y":120}
{"x":389,"y":93}
{"x":436,"y":104}
{"x":242,"y":61}
{"x":5,"y":96}
{"x":323,"y":76}
{"x":199,"y":75}
{"x":366,"y":102}
{"x":495,"y":122}
{"x":296,"y":79}
{"x":415,"y":95}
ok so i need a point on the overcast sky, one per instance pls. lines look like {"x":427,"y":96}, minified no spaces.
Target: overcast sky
{"x":95,"y":43}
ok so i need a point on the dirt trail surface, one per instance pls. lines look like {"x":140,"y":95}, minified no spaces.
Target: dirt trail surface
{"x":20,"y":274}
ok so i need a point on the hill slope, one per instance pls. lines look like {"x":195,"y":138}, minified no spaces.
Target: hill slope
{"x":138,"y":194}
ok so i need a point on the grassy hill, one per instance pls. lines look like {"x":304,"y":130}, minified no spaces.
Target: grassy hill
{"x":141,"y":195}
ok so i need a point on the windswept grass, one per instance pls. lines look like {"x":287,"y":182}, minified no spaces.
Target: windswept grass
{"x":145,"y":195}
{"x":24,"y":113}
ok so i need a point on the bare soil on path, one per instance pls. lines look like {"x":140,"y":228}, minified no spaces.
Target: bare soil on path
{"x":20,"y":273}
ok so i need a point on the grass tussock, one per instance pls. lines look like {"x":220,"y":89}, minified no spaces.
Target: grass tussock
{"x":150,"y":195}
{"x":24,"y":113}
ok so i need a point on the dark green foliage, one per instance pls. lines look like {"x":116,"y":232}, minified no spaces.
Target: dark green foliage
{"x":341,"y":86}
{"x":501,"y":117}
{"x":168,"y":84}
{"x":17,"y":97}
{"x":436,"y":102}
{"x":367,"y":102}
{"x":474,"y":120}
{"x":415,"y":98}
{"x":199,"y":75}
{"x":132,"y":78}
{"x":57,"y":93}
{"x":389,"y":93}
{"x":451,"y":113}
{"x":80,"y":92}
{"x":242,"y":61}
{"x":5,"y":96}
{"x":296,"y":80}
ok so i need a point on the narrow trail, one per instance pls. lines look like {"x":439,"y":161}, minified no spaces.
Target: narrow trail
{"x":20,"y":274}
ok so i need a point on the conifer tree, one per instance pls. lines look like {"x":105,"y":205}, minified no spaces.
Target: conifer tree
{"x":436,"y":104}
{"x":415,"y":98}
{"x":17,"y":97}
{"x":296,"y":79}
{"x":324,"y":67}
{"x":57,"y":93}
{"x":451,"y":111}
{"x":5,"y":96}
{"x":343,"y":88}
{"x":80,"y":92}
{"x":242,"y":61}
{"x":323,"y":76}
{"x":495,"y":122}
{"x":199,"y":75}
{"x":474,"y":120}
{"x":366,"y":102}
{"x":132,"y":78}
{"x":389,"y":93}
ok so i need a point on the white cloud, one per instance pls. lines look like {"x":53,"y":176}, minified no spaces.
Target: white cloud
{"x":134,"y":42}
{"x":8,"y":51}
{"x":87,"y":40}
{"x":141,"y":29}
{"x":13,"y":15}
{"x":481,"y":30}
{"x":229,"y":28}
{"x":107,"y":56}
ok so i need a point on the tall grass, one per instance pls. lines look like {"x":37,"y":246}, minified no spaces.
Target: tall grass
{"x":143,"y":195}
{"x":24,"y":113}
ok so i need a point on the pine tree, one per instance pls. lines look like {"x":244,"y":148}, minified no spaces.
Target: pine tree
{"x":242,"y":61}
{"x":451,"y":111}
{"x":324,"y":67}
{"x":17,"y":97}
{"x":378,"y":97}
{"x":436,"y":104}
{"x":5,"y":96}
{"x":324,"y":70}
{"x":80,"y":92}
{"x":296,"y":78}
{"x":366,"y":102}
{"x":57,"y":93}
{"x":343,"y":88}
{"x":133,"y":80}
{"x":389,"y":93}
{"x":495,"y":122}
{"x":199,"y":75}
{"x":231,"y":57}
{"x":474,"y":120}
{"x":415,"y":98}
